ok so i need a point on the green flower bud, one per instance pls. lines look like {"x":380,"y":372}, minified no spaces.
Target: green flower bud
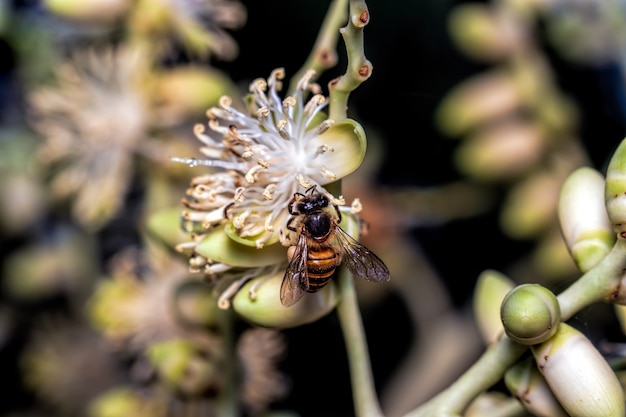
{"x":615,"y":189}
{"x":122,"y":402}
{"x":584,"y":222}
{"x":491,"y":288}
{"x":500,"y":152}
{"x":578,"y":375}
{"x":183,"y":368}
{"x":530,"y":314}
{"x":482,"y":33}
{"x":258,"y":302}
{"x":527,"y":384}
{"x":530,"y":206}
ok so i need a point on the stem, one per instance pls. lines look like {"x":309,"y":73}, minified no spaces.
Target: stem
{"x":359,"y":68}
{"x":600,"y":283}
{"x":226,"y":402}
{"x":324,"y":55}
{"x":487,"y":371}
{"x":365,"y":400}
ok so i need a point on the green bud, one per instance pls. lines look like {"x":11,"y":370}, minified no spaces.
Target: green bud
{"x":527,"y":384}
{"x":258,"y":302}
{"x":122,"y":402}
{"x":491,"y":288}
{"x":584,"y":221}
{"x":530,"y":205}
{"x":530,"y":314}
{"x":615,"y":189}
{"x":578,"y":375}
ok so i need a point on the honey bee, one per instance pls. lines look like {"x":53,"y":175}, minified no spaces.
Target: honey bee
{"x":321,"y":248}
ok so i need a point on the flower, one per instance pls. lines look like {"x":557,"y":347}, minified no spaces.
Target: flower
{"x":196,"y":24}
{"x":238,"y":212}
{"x":92,"y":122}
{"x":262,"y":161}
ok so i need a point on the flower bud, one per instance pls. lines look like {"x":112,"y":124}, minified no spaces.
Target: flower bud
{"x":491,"y":288}
{"x":578,"y":375}
{"x":584,"y":221}
{"x":615,"y":189}
{"x":122,"y":402}
{"x":530,"y":206}
{"x":503,"y":151}
{"x":259,"y":303}
{"x":527,"y":384}
{"x":530,"y":314}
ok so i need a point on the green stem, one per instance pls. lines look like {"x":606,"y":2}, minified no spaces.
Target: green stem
{"x":359,"y":68}
{"x":364,"y":394}
{"x":600,"y":283}
{"x":226,"y":403}
{"x":324,"y":55}
{"x":487,"y":371}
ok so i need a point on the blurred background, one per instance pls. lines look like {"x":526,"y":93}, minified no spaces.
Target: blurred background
{"x":475,"y":114}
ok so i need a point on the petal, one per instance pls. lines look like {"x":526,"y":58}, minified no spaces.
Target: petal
{"x":348,"y":141}
{"x":219,"y":247}
{"x":265,"y":309}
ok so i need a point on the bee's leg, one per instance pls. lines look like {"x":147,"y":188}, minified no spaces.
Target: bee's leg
{"x":338,"y":213}
{"x":226,"y":208}
{"x":290,"y":226}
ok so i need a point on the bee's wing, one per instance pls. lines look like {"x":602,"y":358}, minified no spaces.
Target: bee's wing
{"x":360,"y":260}
{"x":296,"y":280}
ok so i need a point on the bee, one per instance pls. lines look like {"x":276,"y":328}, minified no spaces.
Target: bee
{"x":321,"y":248}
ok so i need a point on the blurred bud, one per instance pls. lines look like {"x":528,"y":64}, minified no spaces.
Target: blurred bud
{"x":183,"y":368}
{"x":92,"y":11}
{"x":485,"y":97}
{"x":578,"y":375}
{"x":615,"y":189}
{"x":551,"y":257}
{"x":483,"y":33}
{"x":531,"y":205}
{"x":584,"y":222}
{"x":259,"y":303}
{"x":491,"y":288}
{"x":22,"y":201}
{"x":123,"y":402}
{"x":530,"y":314}
{"x":190,"y":90}
{"x":527,"y":384}
{"x":502,"y":151}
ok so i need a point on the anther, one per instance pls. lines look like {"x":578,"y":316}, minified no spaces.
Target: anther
{"x":305,"y":183}
{"x":328,"y":174}
{"x":268,"y":193}
{"x":250,"y":175}
{"x":225,"y":102}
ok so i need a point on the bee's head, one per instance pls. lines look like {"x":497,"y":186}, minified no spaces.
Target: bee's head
{"x":314,"y":202}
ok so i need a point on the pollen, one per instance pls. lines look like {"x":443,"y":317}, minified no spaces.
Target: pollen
{"x":328,"y":174}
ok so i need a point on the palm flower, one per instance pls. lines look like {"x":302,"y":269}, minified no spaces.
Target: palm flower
{"x":92,"y":122}
{"x":238,"y":211}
